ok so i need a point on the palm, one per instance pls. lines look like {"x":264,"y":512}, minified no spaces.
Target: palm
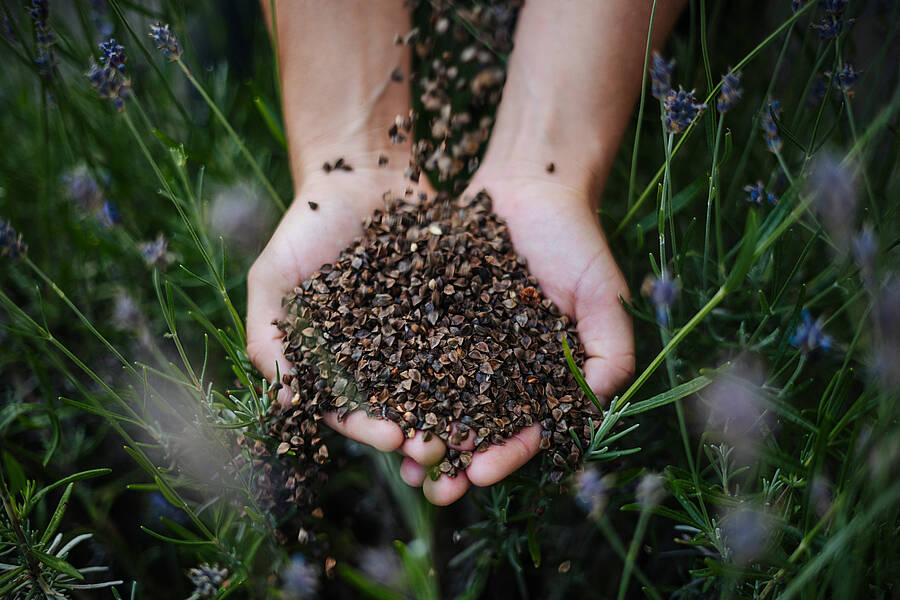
{"x":306,"y":239}
{"x":557,"y":231}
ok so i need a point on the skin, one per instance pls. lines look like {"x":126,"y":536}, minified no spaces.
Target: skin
{"x":566,"y":103}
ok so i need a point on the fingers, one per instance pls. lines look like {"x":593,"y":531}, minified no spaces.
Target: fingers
{"x":445,"y":490}
{"x":609,"y":345}
{"x":380,"y":434}
{"x":424,"y":453}
{"x":412,"y":473}
{"x":440,"y":492}
{"x":495,"y":463}
{"x":264,"y":294}
{"x":465,"y":444}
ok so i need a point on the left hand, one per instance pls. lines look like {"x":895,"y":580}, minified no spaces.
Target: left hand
{"x":554,"y":225}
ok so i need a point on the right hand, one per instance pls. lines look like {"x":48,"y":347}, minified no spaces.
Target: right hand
{"x":305,"y":240}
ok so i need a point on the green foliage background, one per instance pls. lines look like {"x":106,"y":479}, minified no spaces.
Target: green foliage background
{"x":135,"y":376}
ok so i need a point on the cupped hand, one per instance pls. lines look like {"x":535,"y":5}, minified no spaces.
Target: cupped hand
{"x":325,"y":217}
{"x":554,"y":225}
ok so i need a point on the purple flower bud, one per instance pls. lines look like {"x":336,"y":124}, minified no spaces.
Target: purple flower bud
{"x":165,"y":41}
{"x":207,"y":579}
{"x":810,"y":336}
{"x":11,"y":243}
{"x":156,"y":253}
{"x":681,"y":108}
{"x":660,"y":76}
{"x":300,"y":579}
{"x":592,"y":491}
{"x":113,"y":55}
{"x":730,"y":91}
{"x":662,"y":292}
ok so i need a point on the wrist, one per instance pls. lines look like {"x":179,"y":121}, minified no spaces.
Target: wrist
{"x":543,"y":140}
{"x":366,"y":152}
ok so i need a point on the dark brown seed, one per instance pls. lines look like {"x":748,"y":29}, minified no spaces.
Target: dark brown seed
{"x":431,"y":319}
{"x":327,"y":167}
{"x":551,"y":167}
{"x":397,"y":75}
{"x":313,"y":205}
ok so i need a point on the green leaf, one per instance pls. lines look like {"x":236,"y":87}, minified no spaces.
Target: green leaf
{"x":576,"y":373}
{"x":534,"y":544}
{"x":11,"y":412}
{"x":69,"y":479}
{"x":57,"y":564}
{"x":669,"y":396}
{"x":272,"y":121}
{"x":94,"y":410}
{"x":172,"y":540}
{"x":166,"y":139}
{"x":729,"y":143}
{"x":420,"y":583}
{"x":745,"y":257}
{"x":679,"y":201}
{"x":782,"y":129}
{"x":14,"y":473}
{"x":662,"y":511}
{"x":57,"y":514}
{"x":366,"y":585}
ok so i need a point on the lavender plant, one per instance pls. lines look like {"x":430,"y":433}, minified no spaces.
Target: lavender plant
{"x":753,"y":456}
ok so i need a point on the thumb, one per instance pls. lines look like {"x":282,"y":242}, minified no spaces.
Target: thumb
{"x":265,"y":290}
{"x":605,"y":330}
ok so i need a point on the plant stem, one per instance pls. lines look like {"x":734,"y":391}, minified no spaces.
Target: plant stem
{"x":640,"y":114}
{"x":632,"y":552}
{"x":235,"y":137}
{"x":713,"y":180}
{"x":740,"y":65}
{"x":676,"y":339}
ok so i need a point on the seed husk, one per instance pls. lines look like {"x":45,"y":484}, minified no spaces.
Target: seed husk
{"x":430,"y":319}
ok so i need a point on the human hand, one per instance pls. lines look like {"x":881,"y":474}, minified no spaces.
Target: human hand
{"x":554,"y":225}
{"x":306,"y":239}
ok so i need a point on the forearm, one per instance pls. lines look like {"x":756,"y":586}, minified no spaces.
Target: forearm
{"x":574,"y":76}
{"x":336,"y":60}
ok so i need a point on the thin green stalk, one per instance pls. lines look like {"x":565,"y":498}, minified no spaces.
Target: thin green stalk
{"x":738,"y":174}
{"x":114,"y":4}
{"x":673,"y":343}
{"x":662,"y":210}
{"x":713,"y":179}
{"x":276,"y":56}
{"x":632,"y":176}
{"x":784,"y":167}
{"x":235,"y":137}
{"x":670,"y":214}
{"x":239,"y":327}
{"x":739,"y":66}
{"x":81,"y":317}
{"x":616,"y":544}
{"x":852,"y":122}
{"x":633,"y":551}
{"x":839,"y":542}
